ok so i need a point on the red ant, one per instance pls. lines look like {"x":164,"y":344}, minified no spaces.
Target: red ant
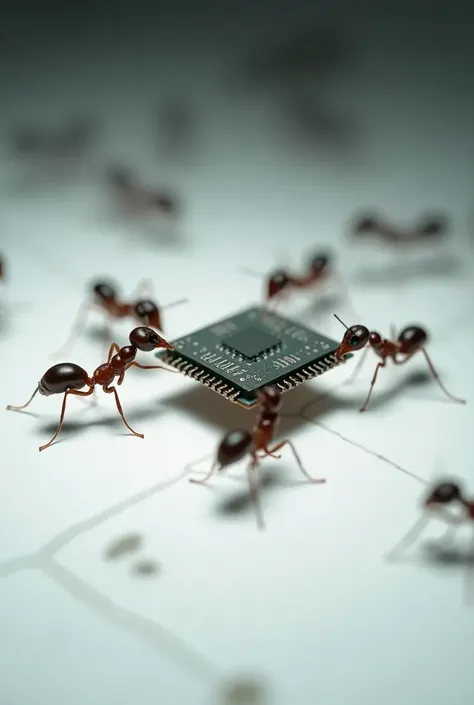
{"x":2,"y":268}
{"x":428,"y":229}
{"x":410,"y":341}
{"x":68,"y":378}
{"x":106,"y":298}
{"x":137,"y":198}
{"x":439,"y":497}
{"x":236,"y":444}
{"x":280,"y":281}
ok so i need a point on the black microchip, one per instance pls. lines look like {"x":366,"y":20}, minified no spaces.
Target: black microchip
{"x":254,"y":348}
{"x":251,"y":342}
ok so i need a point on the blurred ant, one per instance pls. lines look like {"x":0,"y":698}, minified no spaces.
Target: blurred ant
{"x":71,"y":141}
{"x":236,"y":444}
{"x":2,"y":268}
{"x":106,"y":298}
{"x":410,"y":341}
{"x":281,"y":281}
{"x":68,"y":378}
{"x":430,"y":229}
{"x":138,"y":199}
{"x":439,"y":497}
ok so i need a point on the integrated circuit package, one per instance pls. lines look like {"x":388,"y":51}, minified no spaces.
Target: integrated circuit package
{"x":239,"y":355}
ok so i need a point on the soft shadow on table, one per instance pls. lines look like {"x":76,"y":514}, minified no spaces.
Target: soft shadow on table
{"x":71,"y":428}
{"x":200,"y":402}
{"x":401,"y":272}
{"x":127,"y":546}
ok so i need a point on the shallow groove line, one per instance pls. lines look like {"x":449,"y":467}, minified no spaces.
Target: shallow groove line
{"x":379,"y":456}
{"x":147,"y":629}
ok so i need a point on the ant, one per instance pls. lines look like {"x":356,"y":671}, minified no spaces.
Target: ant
{"x":137,"y":198}
{"x":238,"y":443}
{"x":430,"y":228}
{"x":411,"y":340}
{"x":281,"y":281}
{"x":72,"y":140}
{"x":440,"y":496}
{"x":105,"y":297}
{"x":2,"y":269}
{"x":68,"y":378}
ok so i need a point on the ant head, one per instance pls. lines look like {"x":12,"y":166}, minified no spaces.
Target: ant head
{"x":320,"y":262}
{"x":433,"y":226}
{"x":104,"y":291}
{"x":444,"y":493}
{"x":270,"y":397}
{"x":365,"y":225}
{"x":375,"y":339}
{"x":146,"y":339}
{"x":277,"y":281}
{"x":355,"y":338}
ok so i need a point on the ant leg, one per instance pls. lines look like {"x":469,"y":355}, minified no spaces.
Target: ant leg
{"x":358,"y":367}
{"x":374,"y":378}
{"x":436,"y":376}
{"x":150,"y":367}
{"x":114,"y":348}
{"x":208,"y":476}
{"x":254,"y":491}
{"x":112,"y":390}
{"x":78,"y":325}
{"x":23,"y":406}
{"x":270,"y":451}
{"x":144,"y":287}
{"x":410,"y":536}
{"x":76,"y":392}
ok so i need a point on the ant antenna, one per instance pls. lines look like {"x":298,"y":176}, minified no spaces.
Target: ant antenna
{"x":336,"y":316}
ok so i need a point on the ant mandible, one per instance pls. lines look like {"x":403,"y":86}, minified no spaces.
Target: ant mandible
{"x":137,"y":198}
{"x":238,"y":443}
{"x":411,"y":340}
{"x":429,"y":228}
{"x":440,"y":496}
{"x":68,"y":378}
{"x":105,"y":297}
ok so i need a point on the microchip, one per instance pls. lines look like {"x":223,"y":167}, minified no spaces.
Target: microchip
{"x":239,"y":355}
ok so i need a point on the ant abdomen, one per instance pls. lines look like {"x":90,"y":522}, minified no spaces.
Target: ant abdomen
{"x":445,"y":493}
{"x":277,"y":281}
{"x":233,"y":447}
{"x":412,"y":338}
{"x":61,"y":377}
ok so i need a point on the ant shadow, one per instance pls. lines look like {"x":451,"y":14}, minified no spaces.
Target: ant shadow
{"x":72,"y":428}
{"x":329,"y":403}
{"x":129,"y":545}
{"x":221,"y":414}
{"x":243,"y":691}
{"x":400,"y":272}
{"x":241,"y":502}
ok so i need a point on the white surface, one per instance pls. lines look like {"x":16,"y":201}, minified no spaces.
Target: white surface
{"x":310,"y":606}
